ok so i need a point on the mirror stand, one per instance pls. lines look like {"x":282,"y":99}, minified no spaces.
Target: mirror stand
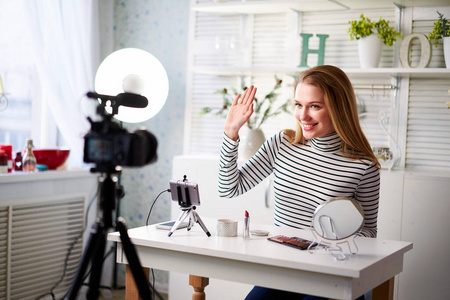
{"x":335,"y":223}
{"x":334,"y":247}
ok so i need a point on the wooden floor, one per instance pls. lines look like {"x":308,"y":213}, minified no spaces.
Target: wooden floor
{"x":120,"y":295}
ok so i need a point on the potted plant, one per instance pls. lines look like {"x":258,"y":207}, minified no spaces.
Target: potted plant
{"x":369,"y":43}
{"x":441,"y":30}
{"x":252,"y":136}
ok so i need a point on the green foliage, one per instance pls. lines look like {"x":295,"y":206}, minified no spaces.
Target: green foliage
{"x":360,"y":29}
{"x":262,"y":109}
{"x":365,"y":27}
{"x":441,"y":29}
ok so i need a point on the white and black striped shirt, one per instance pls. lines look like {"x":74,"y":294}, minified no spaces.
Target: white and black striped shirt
{"x":306,"y":175}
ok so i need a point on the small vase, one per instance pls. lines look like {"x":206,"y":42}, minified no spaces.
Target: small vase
{"x":447,"y":51}
{"x":369,"y":49}
{"x":251,"y":141}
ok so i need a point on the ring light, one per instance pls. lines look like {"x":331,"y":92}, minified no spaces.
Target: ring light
{"x":135,"y":71}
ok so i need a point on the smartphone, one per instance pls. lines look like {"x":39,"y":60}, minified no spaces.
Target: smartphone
{"x":186,"y":193}
{"x":169,"y":225}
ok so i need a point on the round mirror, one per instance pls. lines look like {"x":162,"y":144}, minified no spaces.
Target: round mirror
{"x":338,"y":218}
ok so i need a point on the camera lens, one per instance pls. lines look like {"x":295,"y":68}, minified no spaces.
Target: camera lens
{"x":143,"y":148}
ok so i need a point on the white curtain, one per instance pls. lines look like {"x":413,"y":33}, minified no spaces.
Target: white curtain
{"x":64,"y":37}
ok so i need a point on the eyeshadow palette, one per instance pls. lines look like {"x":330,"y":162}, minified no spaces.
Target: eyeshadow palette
{"x":295,"y":242}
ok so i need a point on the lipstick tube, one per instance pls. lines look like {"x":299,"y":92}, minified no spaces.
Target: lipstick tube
{"x":246,"y":226}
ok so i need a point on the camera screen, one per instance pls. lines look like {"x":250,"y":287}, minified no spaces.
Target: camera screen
{"x":99,"y":150}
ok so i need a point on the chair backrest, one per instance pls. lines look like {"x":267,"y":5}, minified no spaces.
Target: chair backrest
{"x":338,"y":218}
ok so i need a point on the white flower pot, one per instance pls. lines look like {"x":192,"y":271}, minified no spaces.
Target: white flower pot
{"x":447,"y":51}
{"x":251,"y":141}
{"x":370,"y":51}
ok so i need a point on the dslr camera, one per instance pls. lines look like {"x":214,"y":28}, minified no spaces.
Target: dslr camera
{"x":108,"y":145}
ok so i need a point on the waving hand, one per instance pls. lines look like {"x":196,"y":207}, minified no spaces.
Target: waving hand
{"x":239,"y":113}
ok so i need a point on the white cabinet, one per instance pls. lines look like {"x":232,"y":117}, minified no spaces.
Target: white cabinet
{"x":426,"y":223}
{"x":41,"y":215}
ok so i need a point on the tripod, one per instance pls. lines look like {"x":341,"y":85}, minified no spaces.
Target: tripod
{"x":187,"y":207}
{"x":97,"y":242}
{"x":193,"y":218}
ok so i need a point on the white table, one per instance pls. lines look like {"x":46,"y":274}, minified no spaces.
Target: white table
{"x":258,"y":261}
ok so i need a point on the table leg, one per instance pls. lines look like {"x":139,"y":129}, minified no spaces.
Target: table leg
{"x":384,"y":291}
{"x":198,"y":283}
{"x":131,"y":290}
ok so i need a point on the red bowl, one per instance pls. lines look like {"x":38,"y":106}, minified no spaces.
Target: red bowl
{"x":52,"y":158}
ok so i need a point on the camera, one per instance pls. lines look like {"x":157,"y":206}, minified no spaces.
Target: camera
{"x":108,"y":145}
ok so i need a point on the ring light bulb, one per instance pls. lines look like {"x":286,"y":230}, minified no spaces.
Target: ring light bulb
{"x":135,"y":71}
{"x":133,"y":83}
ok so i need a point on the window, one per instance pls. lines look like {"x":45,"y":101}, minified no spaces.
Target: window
{"x":26,"y":115}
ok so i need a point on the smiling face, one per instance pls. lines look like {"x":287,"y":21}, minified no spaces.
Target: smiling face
{"x":311,"y":111}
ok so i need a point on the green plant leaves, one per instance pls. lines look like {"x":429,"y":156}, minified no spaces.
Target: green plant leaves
{"x":441,"y":29}
{"x":365,"y":27}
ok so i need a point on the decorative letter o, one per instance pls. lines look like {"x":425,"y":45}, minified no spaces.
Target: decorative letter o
{"x":425,"y":51}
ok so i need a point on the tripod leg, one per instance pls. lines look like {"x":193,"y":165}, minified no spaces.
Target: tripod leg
{"x":200,"y":222}
{"x":96,"y":268}
{"x":192,"y":219}
{"x":180,"y":219}
{"x":131,"y":291}
{"x":133,"y":261}
{"x":91,"y":247}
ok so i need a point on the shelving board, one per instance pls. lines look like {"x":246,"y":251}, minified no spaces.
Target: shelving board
{"x":271,"y":6}
{"x":265,"y":7}
{"x":382,"y":72}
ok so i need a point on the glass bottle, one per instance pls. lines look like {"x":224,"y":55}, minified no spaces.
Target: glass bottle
{"x":18,"y":162}
{"x":29,"y":160}
{"x":3,"y":162}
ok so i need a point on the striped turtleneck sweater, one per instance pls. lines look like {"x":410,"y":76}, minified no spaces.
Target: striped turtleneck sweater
{"x":305,"y":175}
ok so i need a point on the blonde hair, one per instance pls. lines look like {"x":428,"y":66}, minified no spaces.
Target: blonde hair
{"x":340,"y":100}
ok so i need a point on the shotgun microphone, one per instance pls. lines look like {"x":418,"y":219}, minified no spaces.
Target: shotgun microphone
{"x":124,"y":99}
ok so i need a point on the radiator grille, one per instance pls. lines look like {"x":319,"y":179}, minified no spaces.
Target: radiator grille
{"x":3,"y":250}
{"x":40,"y":238}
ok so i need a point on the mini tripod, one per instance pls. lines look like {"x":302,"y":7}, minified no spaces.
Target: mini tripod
{"x":97,"y":242}
{"x":187,"y":208}
{"x":193,"y":218}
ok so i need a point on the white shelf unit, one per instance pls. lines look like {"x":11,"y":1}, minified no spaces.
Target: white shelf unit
{"x":416,"y":110}
{"x":244,"y":22}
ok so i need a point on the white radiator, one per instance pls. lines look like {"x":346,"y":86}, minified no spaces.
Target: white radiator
{"x":33,"y":255}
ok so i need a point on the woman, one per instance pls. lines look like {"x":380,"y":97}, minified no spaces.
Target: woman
{"x":326,"y":156}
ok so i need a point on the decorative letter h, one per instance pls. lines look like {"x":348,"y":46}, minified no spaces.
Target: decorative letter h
{"x":305,"y":48}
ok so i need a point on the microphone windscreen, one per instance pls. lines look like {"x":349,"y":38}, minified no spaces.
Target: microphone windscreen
{"x":94,"y":95}
{"x":131,"y":100}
